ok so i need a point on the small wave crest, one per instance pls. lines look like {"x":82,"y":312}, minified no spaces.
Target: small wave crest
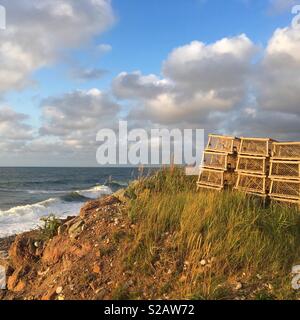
{"x":24,"y":218}
{"x":95,"y":192}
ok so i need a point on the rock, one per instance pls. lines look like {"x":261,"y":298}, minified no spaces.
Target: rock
{"x":130,"y":283}
{"x":50,"y":295}
{"x":238,"y":286}
{"x":4,"y":255}
{"x":22,"y":252}
{"x":43,"y":273}
{"x":36,"y":244}
{"x":20,"y":286}
{"x":96,"y":268}
{"x":59,"y":290}
{"x":269,"y":286}
{"x":61,"y":229}
{"x":212,"y":260}
{"x":61,"y":297}
{"x":76,"y":229}
{"x":203,"y":262}
{"x":14,"y":282}
{"x":55,"y":250}
{"x":81,"y":250}
{"x":93,"y":206}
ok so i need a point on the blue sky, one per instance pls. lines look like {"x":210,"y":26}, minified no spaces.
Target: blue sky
{"x":136,"y":36}
{"x":144,"y":34}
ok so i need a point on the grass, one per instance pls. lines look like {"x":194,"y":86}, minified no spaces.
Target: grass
{"x":238,"y":238}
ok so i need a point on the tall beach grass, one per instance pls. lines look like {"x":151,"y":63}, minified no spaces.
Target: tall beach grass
{"x":217,"y":238}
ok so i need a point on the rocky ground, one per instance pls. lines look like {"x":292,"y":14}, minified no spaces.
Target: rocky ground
{"x":80,"y":262}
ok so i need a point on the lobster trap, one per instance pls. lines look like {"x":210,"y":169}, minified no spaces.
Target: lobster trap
{"x":223,"y":144}
{"x":256,"y":147}
{"x":280,"y":169}
{"x":285,"y":189}
{"x":286,"y":151}
{"x":215,"y":179}
{"x":290,"y":201}
{"x":253,"y":184}
{"x":217,"y":160}
{"x":254,"y":165}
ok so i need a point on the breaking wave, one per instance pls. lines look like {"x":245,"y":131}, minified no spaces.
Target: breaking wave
{"x":24,"y":218}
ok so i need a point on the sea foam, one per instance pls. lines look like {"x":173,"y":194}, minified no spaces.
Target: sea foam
{"x":24,"y":218}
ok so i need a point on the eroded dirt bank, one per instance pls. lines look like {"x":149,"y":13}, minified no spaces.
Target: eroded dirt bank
{"x":81,"y":262}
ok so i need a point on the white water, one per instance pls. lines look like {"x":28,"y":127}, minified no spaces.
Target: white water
{"x":24,"y":218}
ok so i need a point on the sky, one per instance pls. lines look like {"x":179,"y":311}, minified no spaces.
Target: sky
{"x":70,"y":68}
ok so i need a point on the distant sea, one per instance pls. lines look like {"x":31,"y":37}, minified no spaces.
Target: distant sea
{"x":28,"y":194}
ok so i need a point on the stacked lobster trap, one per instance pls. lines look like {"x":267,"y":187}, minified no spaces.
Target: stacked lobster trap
{"x":218,"y":163}
{"x":285,"y":172}
{"x":256,"y":166}
{"x":253,"y":166}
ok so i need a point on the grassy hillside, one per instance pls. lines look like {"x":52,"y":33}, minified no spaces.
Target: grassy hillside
{"x":218,"y":241}
{"x":160,"y":239}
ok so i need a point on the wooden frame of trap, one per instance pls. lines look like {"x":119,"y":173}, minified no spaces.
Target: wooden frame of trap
{"x":253,"y":166}
{"x":218,"y":163}
{"x":285,"y":172}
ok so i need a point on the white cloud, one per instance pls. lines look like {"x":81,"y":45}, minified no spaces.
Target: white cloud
{"x":284,"y":44}
{"x":135,"y":85}
{"x":13,"y":128}
{"x":199,"y":80}
{"x":221,"y":88}
{"x":75,"y":118}
{"x":210,"y":62}
{"x":279,"y":76}
{"x":39,"y":31}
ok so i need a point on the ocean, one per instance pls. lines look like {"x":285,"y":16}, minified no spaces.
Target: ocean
{"x":28,"y":194}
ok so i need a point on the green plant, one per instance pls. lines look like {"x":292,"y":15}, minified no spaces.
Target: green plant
{"x":264,"y":295}
{"x":50,"y":227}
{"x":121,"y":293}
{"x":118,"y":236}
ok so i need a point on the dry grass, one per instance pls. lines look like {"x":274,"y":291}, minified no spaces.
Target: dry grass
{"x":239,"y":238}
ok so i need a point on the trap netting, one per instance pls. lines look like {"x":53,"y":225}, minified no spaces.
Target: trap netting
{"x":285,"y":189}
{"x":219,"y":161}
{"x":222,"y":144}
{"x":252,"y":165}
{"x":285,"y":169}
{"x":211,"y":178}
{"x":286,"y":150}
{"x":255,"y":147}
{"x":251,"y":183}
